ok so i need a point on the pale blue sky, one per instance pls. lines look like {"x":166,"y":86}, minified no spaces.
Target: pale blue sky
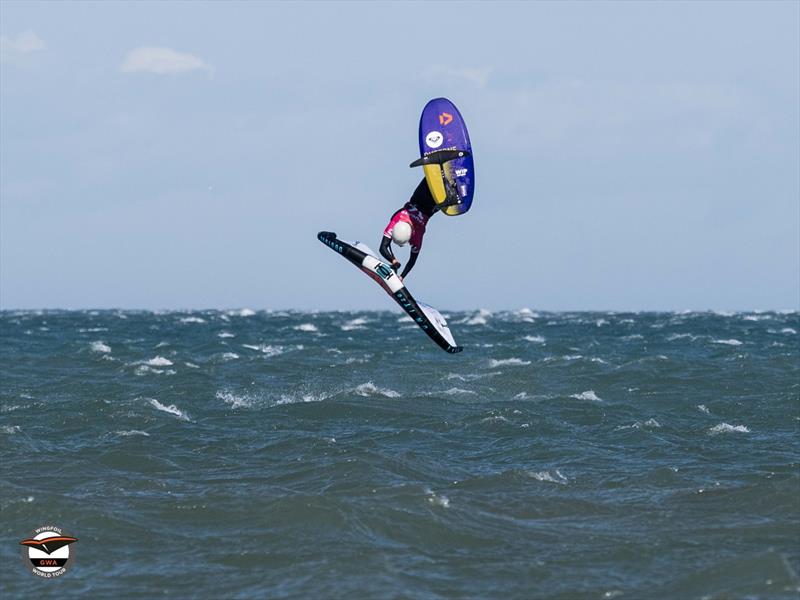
{"x":184,"y":155}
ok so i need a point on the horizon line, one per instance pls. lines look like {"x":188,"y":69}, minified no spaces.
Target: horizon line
{"x":247,"y":309}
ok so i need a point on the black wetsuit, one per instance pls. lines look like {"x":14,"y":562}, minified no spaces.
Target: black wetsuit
{"x":422,"y":201}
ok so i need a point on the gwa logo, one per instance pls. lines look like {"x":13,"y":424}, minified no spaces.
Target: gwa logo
{"x":49,"y":550}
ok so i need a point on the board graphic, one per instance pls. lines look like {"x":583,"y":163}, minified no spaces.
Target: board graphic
{"x":426,"y":317}
{"x":446,"y":156}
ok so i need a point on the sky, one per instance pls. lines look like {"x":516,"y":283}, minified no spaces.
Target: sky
{"x":171,"y":155}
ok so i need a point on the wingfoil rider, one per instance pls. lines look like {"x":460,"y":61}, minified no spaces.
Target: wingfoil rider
{"x":408,"y":225}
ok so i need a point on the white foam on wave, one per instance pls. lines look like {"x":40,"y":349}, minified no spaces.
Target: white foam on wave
{"x":192,"y":320}
{"x":145,"y":369}
{"x":456,"y":376}
{"x":587,"y":395}
{"x":405,"y":319}
{"x":171,"y":409}
{"x":100,"y":347}
{"x":495,"y":419}
{"x":555,"y":477}
{"x":235,"y":401}
{"x":535,"y":339}
{"x":132,"y":432}
{"x":353,"y":324}
{"x":681,"y":336}
{"x":309,"y":327}
{"x":192,"y":365}
{"x":703,"y":409}
{"x":757,"y":317}
{"x":245,"y":312}
{"x":649,"y":424}
{"x":10,"y":429}
{"x":526,"y":315}
{"x":302,"y":398}
{"x":265,"y":349}
{"x":437,"y":499}
{"x":502,"y":362}
{"x":567,"y":357}
{"x":633,"y":336}
{"x":225,"y":334}
{"x":92,"y":329}
{"x":789,"y":330}
{"x":159,"y":361}
{"x":370,"y":389}
{"x":480,"y":318}
{"x":730,"y":342}
{"x":600,"y":322}
{"x":226,"y":356}
{"x":353,"y":360}
{"x":454,"y":391}
{"x":470,"y":376}
{"x":726,"y":428}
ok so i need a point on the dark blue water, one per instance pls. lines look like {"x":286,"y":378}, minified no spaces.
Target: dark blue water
{"x":334,"y":455}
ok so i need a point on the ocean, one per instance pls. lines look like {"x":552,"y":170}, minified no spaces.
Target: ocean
{"x":252,"y":454}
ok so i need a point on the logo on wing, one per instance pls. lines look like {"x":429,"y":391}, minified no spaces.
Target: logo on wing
{"x":434,"y":139}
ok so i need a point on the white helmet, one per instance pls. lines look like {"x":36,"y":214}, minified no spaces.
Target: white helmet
{"x":401,"y":233}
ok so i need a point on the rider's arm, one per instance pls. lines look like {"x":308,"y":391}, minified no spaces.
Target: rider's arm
{"x":386,"y":252}
{"x":412,"y":258}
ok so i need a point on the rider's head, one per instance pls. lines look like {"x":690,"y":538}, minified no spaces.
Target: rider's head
{"x":401,"y":233}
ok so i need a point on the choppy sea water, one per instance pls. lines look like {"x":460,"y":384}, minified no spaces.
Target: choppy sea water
{"x":246,"y":454}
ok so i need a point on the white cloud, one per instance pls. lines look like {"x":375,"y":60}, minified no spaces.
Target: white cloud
{"x":162,"y":61}
{"x":23,"y":43}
